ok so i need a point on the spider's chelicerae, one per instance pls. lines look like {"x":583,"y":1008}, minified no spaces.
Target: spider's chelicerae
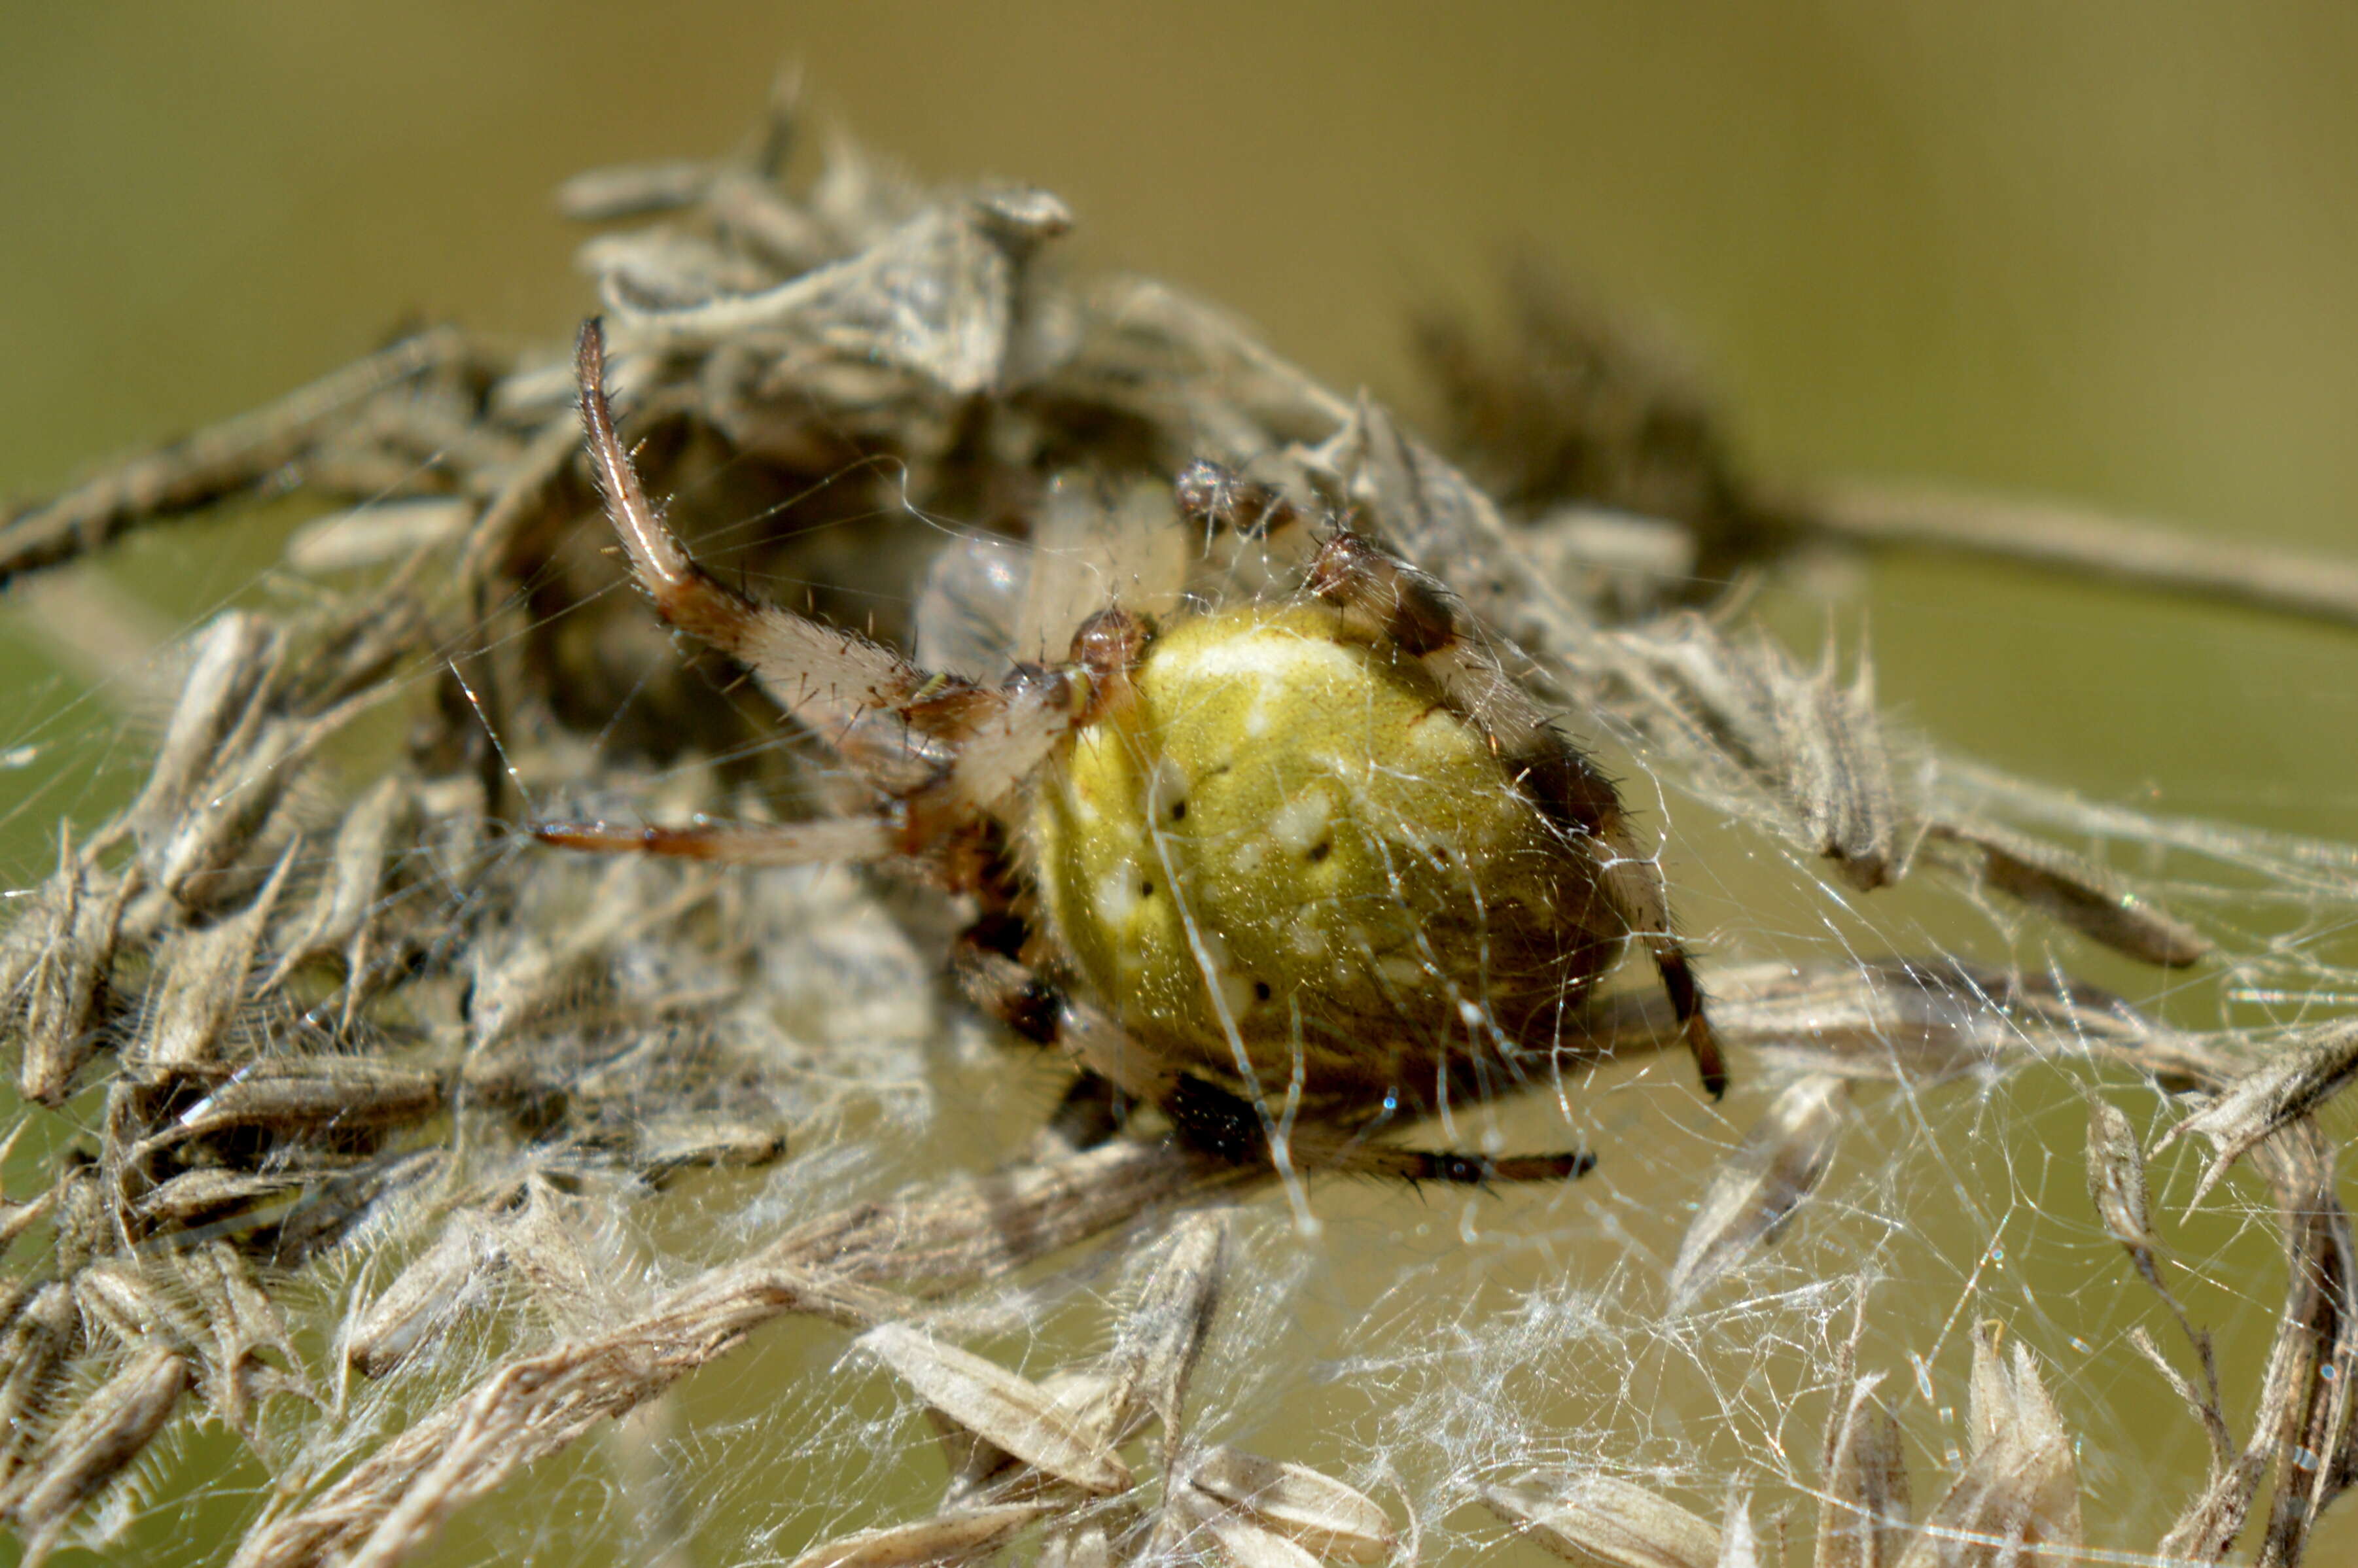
{"x":1289,"y":870}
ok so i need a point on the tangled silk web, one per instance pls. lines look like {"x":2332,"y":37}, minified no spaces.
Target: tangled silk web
{"x":382,"y":1182}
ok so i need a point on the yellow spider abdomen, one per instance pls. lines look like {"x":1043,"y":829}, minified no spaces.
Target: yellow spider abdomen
{"x":1286,"y":844}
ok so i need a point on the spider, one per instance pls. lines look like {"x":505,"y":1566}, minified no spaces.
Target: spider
{"x":1289,"y":870}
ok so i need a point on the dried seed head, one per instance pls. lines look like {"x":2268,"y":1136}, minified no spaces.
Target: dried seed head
{"x":425,"y":1297}
{"x":1315,"y":1512}
{"x":2020,"y":1486}
{"x":1760,"y":1187}
{"x":2080,"y":894}
{"x":2302,"y":1076}
{"x":54,"y":971}
{"x":964,"y":1535}
{"x":1007,"y":1411}
{"x":1602,"y":1521}
{"x":2116,"y":1184}
{"x":1863,"y":1522}
{"x":204,"y":984}
{"x":1156,"y":1348}
{"x":104,"y":1433}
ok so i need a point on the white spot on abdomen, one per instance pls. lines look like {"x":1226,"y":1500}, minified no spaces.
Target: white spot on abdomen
{"x":1116,"y":896}
{"x":1300,"y":823}
{"x":1273,"y":658}
{"x":1165,"y":787}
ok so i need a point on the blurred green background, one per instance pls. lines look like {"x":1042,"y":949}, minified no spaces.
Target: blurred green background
{"x":2103,"y":251}
{"x":2107,"y":252}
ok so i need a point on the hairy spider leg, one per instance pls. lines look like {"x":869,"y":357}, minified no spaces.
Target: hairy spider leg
{"x":1385,"y":600}
{"x":831,"y":680}
{"x":851,"y":841}
{"x":827,"y":677}
{"x":1219,"y":500}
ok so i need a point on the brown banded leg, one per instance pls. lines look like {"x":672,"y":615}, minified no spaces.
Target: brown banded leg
{"x":928,"y":818}
{"x":1633,"y":881}
{"x":1221,"y":501}
{"x":1388,"y":602}
{"x":949,"y":745}
{"x":1092,"y":1112}
{"x":848,"y":840}
{"x":982,"y":963}
{"x":827,"y":677}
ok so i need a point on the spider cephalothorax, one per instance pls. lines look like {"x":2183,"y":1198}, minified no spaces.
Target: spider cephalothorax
{"x":1320,"y":856}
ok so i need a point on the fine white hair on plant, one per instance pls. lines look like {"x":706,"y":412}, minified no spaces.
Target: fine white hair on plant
{"x":381,"y":1181}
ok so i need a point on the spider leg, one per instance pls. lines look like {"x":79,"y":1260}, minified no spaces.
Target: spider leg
{"x":825,"y":676}
{"x":1204,"y":1115}
{"x":1092,"y":1112}
{"x":1386,"y":600}
{"x":1012,"y":992}
{"x":1221,"y":501}
{"x":1634,"y":882}
{"x":1037,"y":708}
{"x":958,"y":748}
{"x":842,"y":839}
{"x":924,"y":821}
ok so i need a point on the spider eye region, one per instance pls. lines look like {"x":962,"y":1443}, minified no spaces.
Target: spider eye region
{"x":1288,"y":844}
